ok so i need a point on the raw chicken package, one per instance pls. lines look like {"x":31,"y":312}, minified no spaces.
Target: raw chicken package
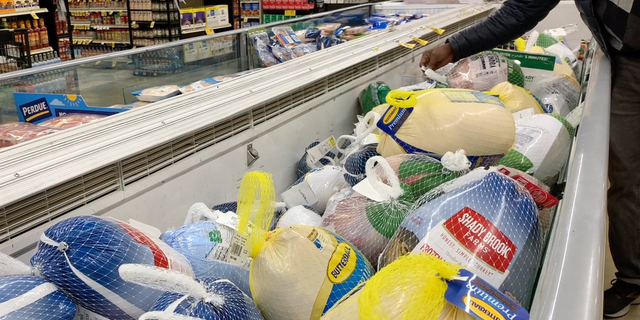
{"x":70,"y":121}
{"x":33,"y":298}
{"x":13,"y":133}
{"x":483,"y":71}
{"x":81,"y":255}
{"x":437,"y":121}
{"x":188,"y":298}
{"x":543,"y":143}
{"x":206,"y":245}
{"x":369,"y":217}
{"x":484,"y":221}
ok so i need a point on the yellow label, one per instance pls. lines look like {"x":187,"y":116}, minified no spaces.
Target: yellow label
{"x":98,"y":62}
{"x":438,"y":31}
{"x":110,"y":12}
{"x":289,"y":13}
{"x":209,"y":30}
{"x":34,"y":15}
{"x":113,"y":64}
{"x":391,"y":114}
{"x":407,"y":45}
{"x":332,"y":141}
{"x":153,"y":23}
{"x":342,"y":263}
{"x":420,"y":41}
{"x":246,"y":19}
{"x":482,"y":309}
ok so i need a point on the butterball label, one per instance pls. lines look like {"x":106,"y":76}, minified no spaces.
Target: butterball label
{"x":342,"y":263}
{"x":35,"y":110}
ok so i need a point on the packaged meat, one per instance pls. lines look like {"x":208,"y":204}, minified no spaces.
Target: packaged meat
{"x":286,"y":36}
{"x":70,"y":120}
{"x":282,"y":53}
{"x":201,"y":84}
{"x":483,"y":71}
{"x":157,"y":93}
{"x":303,"y":49}
{"x":356,"y":30}
{"x":261,"y":43}
{"x":328,"y":28}
{"x":13,"y":133}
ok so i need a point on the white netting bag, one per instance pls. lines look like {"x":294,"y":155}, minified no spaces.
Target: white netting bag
{"x":207,"y":245}
{"x":81,"y":255}
{"x":483,"y":71}
{"x":369,"y":217}
{"x":187,"y":298}
{"x":436,"y":121}
{"x":31,"y":297}
{"x":299,"y":215}
{"x":484,"y":221}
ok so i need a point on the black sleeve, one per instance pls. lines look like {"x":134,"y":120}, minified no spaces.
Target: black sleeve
{"x":511,"y":21}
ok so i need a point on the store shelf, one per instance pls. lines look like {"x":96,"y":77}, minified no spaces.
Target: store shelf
{"x":246,"y":17}
{"x":98,"y":41}
{"x":42,"y":50}
{"x":14,"y":12}
{"x":107,"y":26}
{"x":249,"y":1}
{"x":99,"y":10}
{"x":203,"y":29}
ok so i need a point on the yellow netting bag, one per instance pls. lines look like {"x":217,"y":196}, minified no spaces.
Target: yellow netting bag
{"x":256,"y":205}
{"x":411,"y":287}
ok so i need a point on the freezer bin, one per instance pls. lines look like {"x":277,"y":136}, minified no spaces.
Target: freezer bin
{"x":151,"y":164}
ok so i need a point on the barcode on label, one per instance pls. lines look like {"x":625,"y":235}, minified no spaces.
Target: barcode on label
{"x":236,"y":249}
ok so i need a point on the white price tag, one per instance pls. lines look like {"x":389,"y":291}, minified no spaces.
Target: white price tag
{"x":316,"y":153}
{"x":238,"y":251}
{"x":558,"y":32}
{"x":299,"y":194}
{"x":526,"y":113}
{"x":365,"y":188}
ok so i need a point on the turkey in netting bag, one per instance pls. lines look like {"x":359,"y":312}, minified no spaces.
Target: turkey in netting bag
{"x":208,"y":298}
{"x":33,"y":298}
{"x":356,"y":149}
{"x":437,"y":121}
{"x":315,"y":188}
{"x":543,"y":143}
{"x":485,"y":222}
{"x":559,"y":94}
{"x":81,"y":256}
{"x":369,"y":220}
{"x":516,"y":98}
{"x":206,"y":245}
{"x":483,"y":71}
{"x":299,"y":215}
{"x":302,"y":271}
{"x":306,"y":164}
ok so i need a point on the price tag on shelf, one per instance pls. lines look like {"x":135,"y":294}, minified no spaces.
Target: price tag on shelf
{"x":420,"y":41}
{"x":438,"y":31}
{"x":407,"y":45}
{"x":113,"y":64}
{"x":34,"y":15}
{"x":289,"y":13}
{"x":246,"y":20}
{"x":209,"y":30}
{"x":98,"y":62}
{"x":153,"y":23}
{"x":110,"y":12}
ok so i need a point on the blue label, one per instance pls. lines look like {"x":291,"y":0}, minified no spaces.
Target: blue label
{"x":393,"y":119}
{"x":482,"y":300}
{"x":35,"y":110}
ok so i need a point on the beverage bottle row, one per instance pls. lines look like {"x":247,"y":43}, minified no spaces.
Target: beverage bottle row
{"x":38,"y":34}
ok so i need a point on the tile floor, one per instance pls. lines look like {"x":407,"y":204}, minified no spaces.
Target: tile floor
{"x":609,"y":273}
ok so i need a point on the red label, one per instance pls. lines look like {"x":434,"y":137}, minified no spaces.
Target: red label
{"x":482,"y":238}
{"x":159,"y":257}
{"x":541,"y":197}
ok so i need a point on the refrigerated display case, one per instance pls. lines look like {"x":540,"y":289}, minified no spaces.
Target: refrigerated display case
{"x":150,"y":164}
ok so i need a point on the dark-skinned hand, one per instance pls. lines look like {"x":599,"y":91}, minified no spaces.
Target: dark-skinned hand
{"x":437,"y":57}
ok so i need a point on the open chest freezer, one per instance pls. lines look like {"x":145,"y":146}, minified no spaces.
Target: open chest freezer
{"x":152,"y":164}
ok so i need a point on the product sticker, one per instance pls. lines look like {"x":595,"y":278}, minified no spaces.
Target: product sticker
{"x":342,"y":263}
{"x":457,"y":96}
{"x":238,"y":251}
{"x":469,"y":239}
{"x":526,"y":113}
{"x":482,"y":300}
{"x":316,"y":153}
{"x":540,"y":196}
{"x":366,"y":189}
{"x":393,"y":119}
{"x":319,"y":239}
{"x":299,"y":194}
{"x":223,"y":237}
{"x":526,"y":137}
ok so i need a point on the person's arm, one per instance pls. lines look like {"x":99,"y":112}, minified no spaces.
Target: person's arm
{"x":511,"y":21}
